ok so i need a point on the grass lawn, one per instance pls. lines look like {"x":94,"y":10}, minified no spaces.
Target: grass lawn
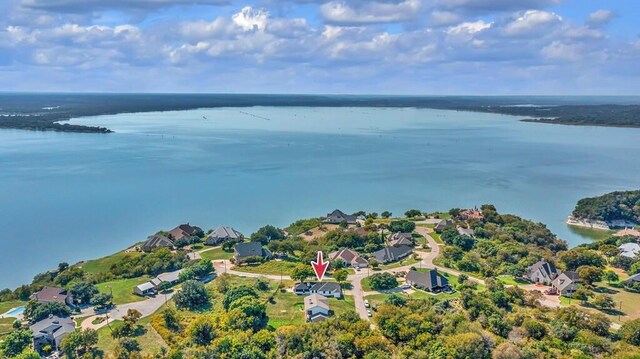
{"x":627,"y":307}
{"x":122,"y":289}
{"x":404,"y":262}
{"x":286,"y":309}
{"x":103,"y":265}
{"x":6,"y":326}
{"x":216,"y":254}
{"x":6,"y":306}
{"x":270,"y":267}
{"x":436,"y":237}
{"x":150,"y":341}
{"x":510,"y":280}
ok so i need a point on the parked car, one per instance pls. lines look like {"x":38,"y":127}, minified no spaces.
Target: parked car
{"x":405,"y":286}
{"x":366,"y":303}
{"x":369,"y":313}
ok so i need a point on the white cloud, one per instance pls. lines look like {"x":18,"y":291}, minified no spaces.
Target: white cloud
{"x":469,"y":27}
{"x":340,"y":12}
{"x":600,"y":17}
{"x":250,"y":19}
{"x":532,"y":22}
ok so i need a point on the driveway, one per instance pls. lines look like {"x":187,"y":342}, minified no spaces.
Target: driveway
{"x":145,"y":307}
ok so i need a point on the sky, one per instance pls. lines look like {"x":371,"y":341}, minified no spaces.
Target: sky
{"x":420,"y":47}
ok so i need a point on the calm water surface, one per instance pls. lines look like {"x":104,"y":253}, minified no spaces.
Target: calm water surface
{"x":70,"y":197}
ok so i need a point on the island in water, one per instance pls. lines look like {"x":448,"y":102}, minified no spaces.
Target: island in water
{"x":48,"y":112}
{"x":467,"y":283}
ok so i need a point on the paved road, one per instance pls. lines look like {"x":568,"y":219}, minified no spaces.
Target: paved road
{"x":146,"y":307}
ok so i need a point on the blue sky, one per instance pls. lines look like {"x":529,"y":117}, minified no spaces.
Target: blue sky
{"x":431,"y":47}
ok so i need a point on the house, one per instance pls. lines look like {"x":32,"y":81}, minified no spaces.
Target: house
{"x":145,"y":289}
{"x":566,"y":283}
{"x":349,"y":258}
{"x":465,"y":231}
{"x":223,"y":234}
{"x":337,"y":217}
{"x":53,"y":294}
{"x":627,"y":232}
{"x":184,"y":231}
{"x":194,"y":256}
{"x":471,"y":214}
{"x":633,"y":279}
{"x":327,"y":289}
{"x":401,"y":239}
{"x":430,"y":280}
{"x":391,"y":254}
{"x":316,"y":308}
{"x":169,"y":277}
{"x":156,"y":241}
{"x":51,"y":331}
{"x":630,"y":250}
{"x":542,"y":272}
{"x":440,"y":226}
{"x":250,"y":249}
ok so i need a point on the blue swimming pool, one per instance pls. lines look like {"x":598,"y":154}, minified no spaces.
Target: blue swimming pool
{"x":15,"y":311}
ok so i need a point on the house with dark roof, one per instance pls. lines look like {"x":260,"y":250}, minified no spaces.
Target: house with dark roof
{"x":440,"y":226}
{"x":327,"y":289}
{"x":53,"y":294}
{"x":184,"y":231}
{"x":156,"y":241}
{"x":316,"y":308}
{"x":50,"y":331}
{"x":223,"y":234}
{"x":566,"y":284}
{"x":337,"y":217}
{"x":349,"y":258}
{"x":633,"y":279}
{"x":250,"y":249}
{"x":401,"y":239}
{"x":430,"y":280}
{"x":542,"y":272}
{"x":391,"y":254}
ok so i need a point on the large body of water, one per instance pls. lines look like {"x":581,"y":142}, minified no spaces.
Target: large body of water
{"x":68,"y":197}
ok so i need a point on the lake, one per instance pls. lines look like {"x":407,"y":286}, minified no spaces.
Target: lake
{"x":68,"y":197}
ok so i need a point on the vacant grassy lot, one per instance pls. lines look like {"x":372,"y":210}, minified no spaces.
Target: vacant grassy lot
{"x":216,"y":254}
{"x":103,"y":265}
{"x":510,"y":280}
{"x":436,"y":237}
{"x":404,"y":262}
{"x":122,"y":289}
{"x":270,"y":267}
{"x":150,"y":341}
{"x":627,"y":303}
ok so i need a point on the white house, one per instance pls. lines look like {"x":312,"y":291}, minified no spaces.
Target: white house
{"x":144,"y":289}
{"x":316,"y":308}
{"x":630,"y":250}
{"x":327,"y":289}
{"x":542,"y":272}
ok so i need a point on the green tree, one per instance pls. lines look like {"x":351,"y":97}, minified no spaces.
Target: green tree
{"x":101,"y":300}
{"x":192,"y":295}
{"x":236,"y":293}
{"x":590,"y":274}
{"x":395,"y":300}
{"x":465,"y":346}
{"x":534,"y":329}
{"x":15,"y":342}
{"x":630,"y":332}
{"x":267,"y":234}
{"x":603,"y":301}
{"x":611,"y":276}
{"x":582,"y":295}
{"x":79,"y":342}
{"x":301,"y":272}
{"x":126,"y":348}
{"x":340,"y":275}
{"x":412,"y":213}
{"x":82,"y":292}
{"x":171,"y":320}
{"x":201,"y":330}
{"x":36,"y":311}
{"x":383,"y":281}
{"x":403,"y":226}
{"x":386,"y":214}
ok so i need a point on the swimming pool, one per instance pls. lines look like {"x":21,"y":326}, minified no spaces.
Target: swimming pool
{"x":15,"y":312}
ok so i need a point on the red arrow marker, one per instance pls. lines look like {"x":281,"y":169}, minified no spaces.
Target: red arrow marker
{"x":320,"y":267}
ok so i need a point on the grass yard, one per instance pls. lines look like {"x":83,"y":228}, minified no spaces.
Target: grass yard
{"x":216,"y":254}
{"x":626,"y":309}
{"x":122,"y":289}
{"x":103,"y":265}
{"x":404,"y":262}
{"x":286,"y":309}
{"x":270,"y":267}
{"x":150,"y":341}
{"x":510,"y":280}
{"x":6,"y":326}
{"x":436,"y":237}
{"x":6,"y":306}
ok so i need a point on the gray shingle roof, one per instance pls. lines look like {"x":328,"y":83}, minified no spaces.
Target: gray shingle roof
{"x":544,"y":266}
{"x":325,"y":287}
{"x":156,"y":241}
{"x":226,"y":233}
{"x":314,"y":300}
{"x":429,"y":279}
{"x":390,"y":254}
{"x":53,"y":327}
{"x":251,"y":249}
{"x":337,"y":216}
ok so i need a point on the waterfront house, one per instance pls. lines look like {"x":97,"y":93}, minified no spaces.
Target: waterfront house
{"x":250,"y":249}
{"x":440,"y":226}
{"x":391,"y":254}
{"x":223,"y":234}
{"x":316,"y":308}
{"x":327,"y":289}
{"x":184,"y":231}
{"x":156,"y":241}
{"x":542,"y":272}
{"x":349,"y":258}
{"x":144,"y":289}
{"x":337,"y":217}
{"x":430,"y":280}
{"x":53,"y":294}
{"x":566,"y":284}
{"x":630,"y":250}
{"x":50,"y":332}
{"x":471,"y":214}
